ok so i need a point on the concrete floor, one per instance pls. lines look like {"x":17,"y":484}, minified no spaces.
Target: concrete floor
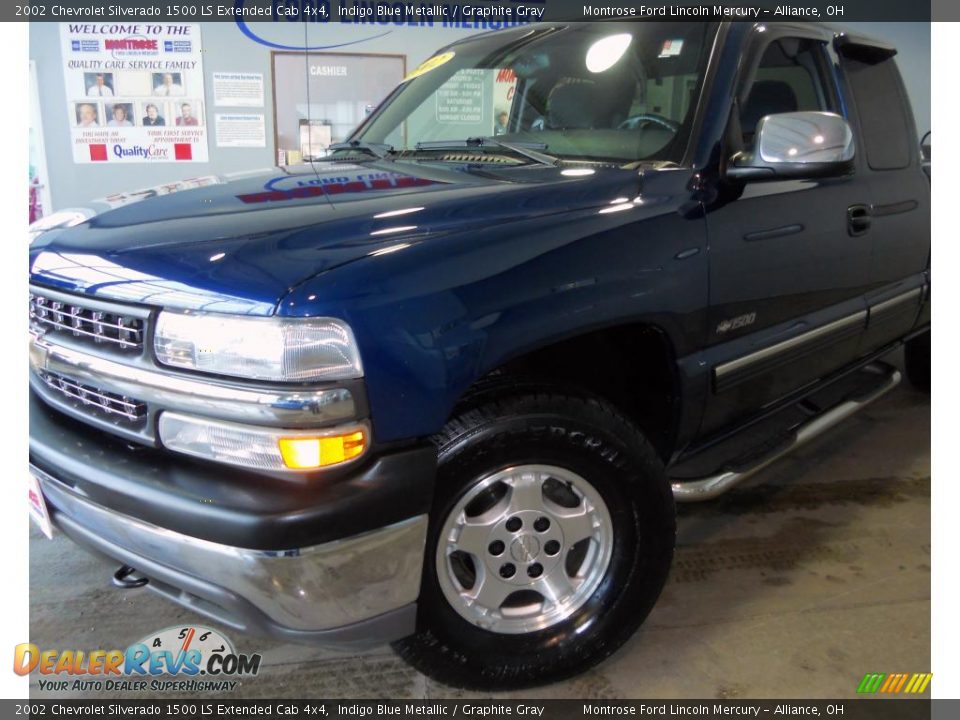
{"x":794,"y":585}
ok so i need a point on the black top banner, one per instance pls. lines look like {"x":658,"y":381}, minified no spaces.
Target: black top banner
{"x":462,"y":13}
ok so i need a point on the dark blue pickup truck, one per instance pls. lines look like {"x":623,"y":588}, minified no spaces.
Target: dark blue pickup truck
{"x":443,"y":385}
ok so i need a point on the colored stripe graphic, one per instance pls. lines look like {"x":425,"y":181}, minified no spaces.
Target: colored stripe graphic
{"x":918,"y":683}
{"x":871,"y":682}
{"x":894,"y":683}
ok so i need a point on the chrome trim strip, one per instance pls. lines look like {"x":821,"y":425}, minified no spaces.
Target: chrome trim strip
{"x":894,"y":208}
{"x":710,"y":487}
{"x":315,"y":588}
{"x":166,"y":391}
{"x":894,"y":301}
{"x":741,"y":362}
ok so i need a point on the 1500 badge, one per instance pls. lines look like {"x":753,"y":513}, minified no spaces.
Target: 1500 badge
{"x":740,"y":321}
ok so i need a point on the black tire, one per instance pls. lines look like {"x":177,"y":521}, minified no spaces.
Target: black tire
{"x":916,"y":357}
{"x":574,"y":430}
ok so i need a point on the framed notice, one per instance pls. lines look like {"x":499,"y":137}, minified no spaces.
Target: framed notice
{"x":134,"y":96}
{"x":241,"y":130}
{"x":238,"y":89}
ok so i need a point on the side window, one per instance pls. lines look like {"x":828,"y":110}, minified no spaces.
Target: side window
{"x":881,"y":110}
{"x":790,"y":78}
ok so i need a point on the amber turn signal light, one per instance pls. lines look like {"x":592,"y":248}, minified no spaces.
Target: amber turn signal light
{"x":305,"y":453}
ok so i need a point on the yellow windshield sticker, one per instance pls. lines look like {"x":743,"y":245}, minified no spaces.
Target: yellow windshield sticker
{"x":431,"y":64}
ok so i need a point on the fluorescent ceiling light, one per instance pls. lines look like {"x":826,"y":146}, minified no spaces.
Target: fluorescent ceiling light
{"x":605,"y":52}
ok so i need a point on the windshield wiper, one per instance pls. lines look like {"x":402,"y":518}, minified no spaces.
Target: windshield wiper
{"x":379,"y":150}
{"x":529,"y":150}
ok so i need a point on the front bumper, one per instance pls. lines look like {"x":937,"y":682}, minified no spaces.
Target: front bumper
{"x":334,"y":562}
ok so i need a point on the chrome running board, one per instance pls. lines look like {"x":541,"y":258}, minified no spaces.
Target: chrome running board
{"x":707,"y":488}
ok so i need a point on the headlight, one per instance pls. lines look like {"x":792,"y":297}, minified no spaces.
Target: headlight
{"x":281,"y":349}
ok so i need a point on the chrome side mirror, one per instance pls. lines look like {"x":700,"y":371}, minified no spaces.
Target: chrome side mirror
{"x":796,"y":145}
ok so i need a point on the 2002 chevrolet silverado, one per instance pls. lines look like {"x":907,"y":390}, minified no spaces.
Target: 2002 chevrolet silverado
{"x":443,"y":386}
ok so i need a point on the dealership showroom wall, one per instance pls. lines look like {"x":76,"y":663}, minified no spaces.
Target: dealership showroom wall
{"x":227,"y":49}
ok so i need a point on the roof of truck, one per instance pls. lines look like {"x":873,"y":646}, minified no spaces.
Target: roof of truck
{"x":830,"y":30}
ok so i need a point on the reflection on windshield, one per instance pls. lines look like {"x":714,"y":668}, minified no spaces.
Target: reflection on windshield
{"x":603,"y":91}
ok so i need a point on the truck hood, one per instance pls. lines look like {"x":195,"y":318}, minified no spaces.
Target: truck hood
{"x":241,"y":245}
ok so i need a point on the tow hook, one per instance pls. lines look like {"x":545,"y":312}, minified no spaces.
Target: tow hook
{"x":123,"y":579}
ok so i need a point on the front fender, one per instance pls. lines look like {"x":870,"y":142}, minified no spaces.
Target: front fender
{"x":432,"y":317}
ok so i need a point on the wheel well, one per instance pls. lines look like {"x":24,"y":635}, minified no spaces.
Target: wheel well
{"x":631,"y":366}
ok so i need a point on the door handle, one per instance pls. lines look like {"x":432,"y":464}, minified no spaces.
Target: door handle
{"x":858,"y":219}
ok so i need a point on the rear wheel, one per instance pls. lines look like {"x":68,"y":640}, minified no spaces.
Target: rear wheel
{"x":550,"y":540}
{"x":917,"y":361}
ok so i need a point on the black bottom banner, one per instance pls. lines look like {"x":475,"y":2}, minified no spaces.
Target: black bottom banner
{"x":865,"y":709}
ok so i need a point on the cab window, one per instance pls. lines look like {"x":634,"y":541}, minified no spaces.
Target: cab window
{"x":882,"y":110}
{"x":791,"y":77}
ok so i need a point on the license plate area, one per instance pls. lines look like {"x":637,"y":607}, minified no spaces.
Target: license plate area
{"x":38,"y":505}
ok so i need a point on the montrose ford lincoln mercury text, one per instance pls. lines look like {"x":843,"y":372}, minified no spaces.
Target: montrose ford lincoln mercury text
{"x":442,"y":385}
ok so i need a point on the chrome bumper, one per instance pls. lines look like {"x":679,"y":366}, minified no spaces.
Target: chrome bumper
{"x":359,"y":590}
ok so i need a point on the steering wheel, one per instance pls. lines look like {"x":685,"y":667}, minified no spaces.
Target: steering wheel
{"x":637,"y":121}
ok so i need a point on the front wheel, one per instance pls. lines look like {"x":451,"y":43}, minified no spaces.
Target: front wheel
{"x":550,"y":540}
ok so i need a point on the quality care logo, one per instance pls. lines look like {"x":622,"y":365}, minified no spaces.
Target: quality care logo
{"x":155,"y":662}
{"x":146,"y":152}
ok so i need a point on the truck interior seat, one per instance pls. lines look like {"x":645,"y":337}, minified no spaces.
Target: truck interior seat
{"x":573,"y":104}
{"x":767,"y":97}
{"x":586,"y":104}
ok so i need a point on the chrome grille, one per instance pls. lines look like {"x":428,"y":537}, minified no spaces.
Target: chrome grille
{"x":107,"y":328}
{"x":94,"y":399}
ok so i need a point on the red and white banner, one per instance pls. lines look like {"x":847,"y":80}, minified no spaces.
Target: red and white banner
{"x":134,"y":92}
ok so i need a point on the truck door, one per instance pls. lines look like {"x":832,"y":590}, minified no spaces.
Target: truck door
{"x":898,"y":223}
{"x":787,"y":274}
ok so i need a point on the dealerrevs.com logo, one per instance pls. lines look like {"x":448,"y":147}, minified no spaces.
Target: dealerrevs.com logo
{"x":173,"y":659}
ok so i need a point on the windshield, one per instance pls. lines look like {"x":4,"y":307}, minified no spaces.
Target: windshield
{"x":591,"y":91}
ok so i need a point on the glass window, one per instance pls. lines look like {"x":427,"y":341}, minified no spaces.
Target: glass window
{"x":790,"y":78}
{"x":882,"y":111}
{"x":603,"y":91}
{"x":339,"y":92}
